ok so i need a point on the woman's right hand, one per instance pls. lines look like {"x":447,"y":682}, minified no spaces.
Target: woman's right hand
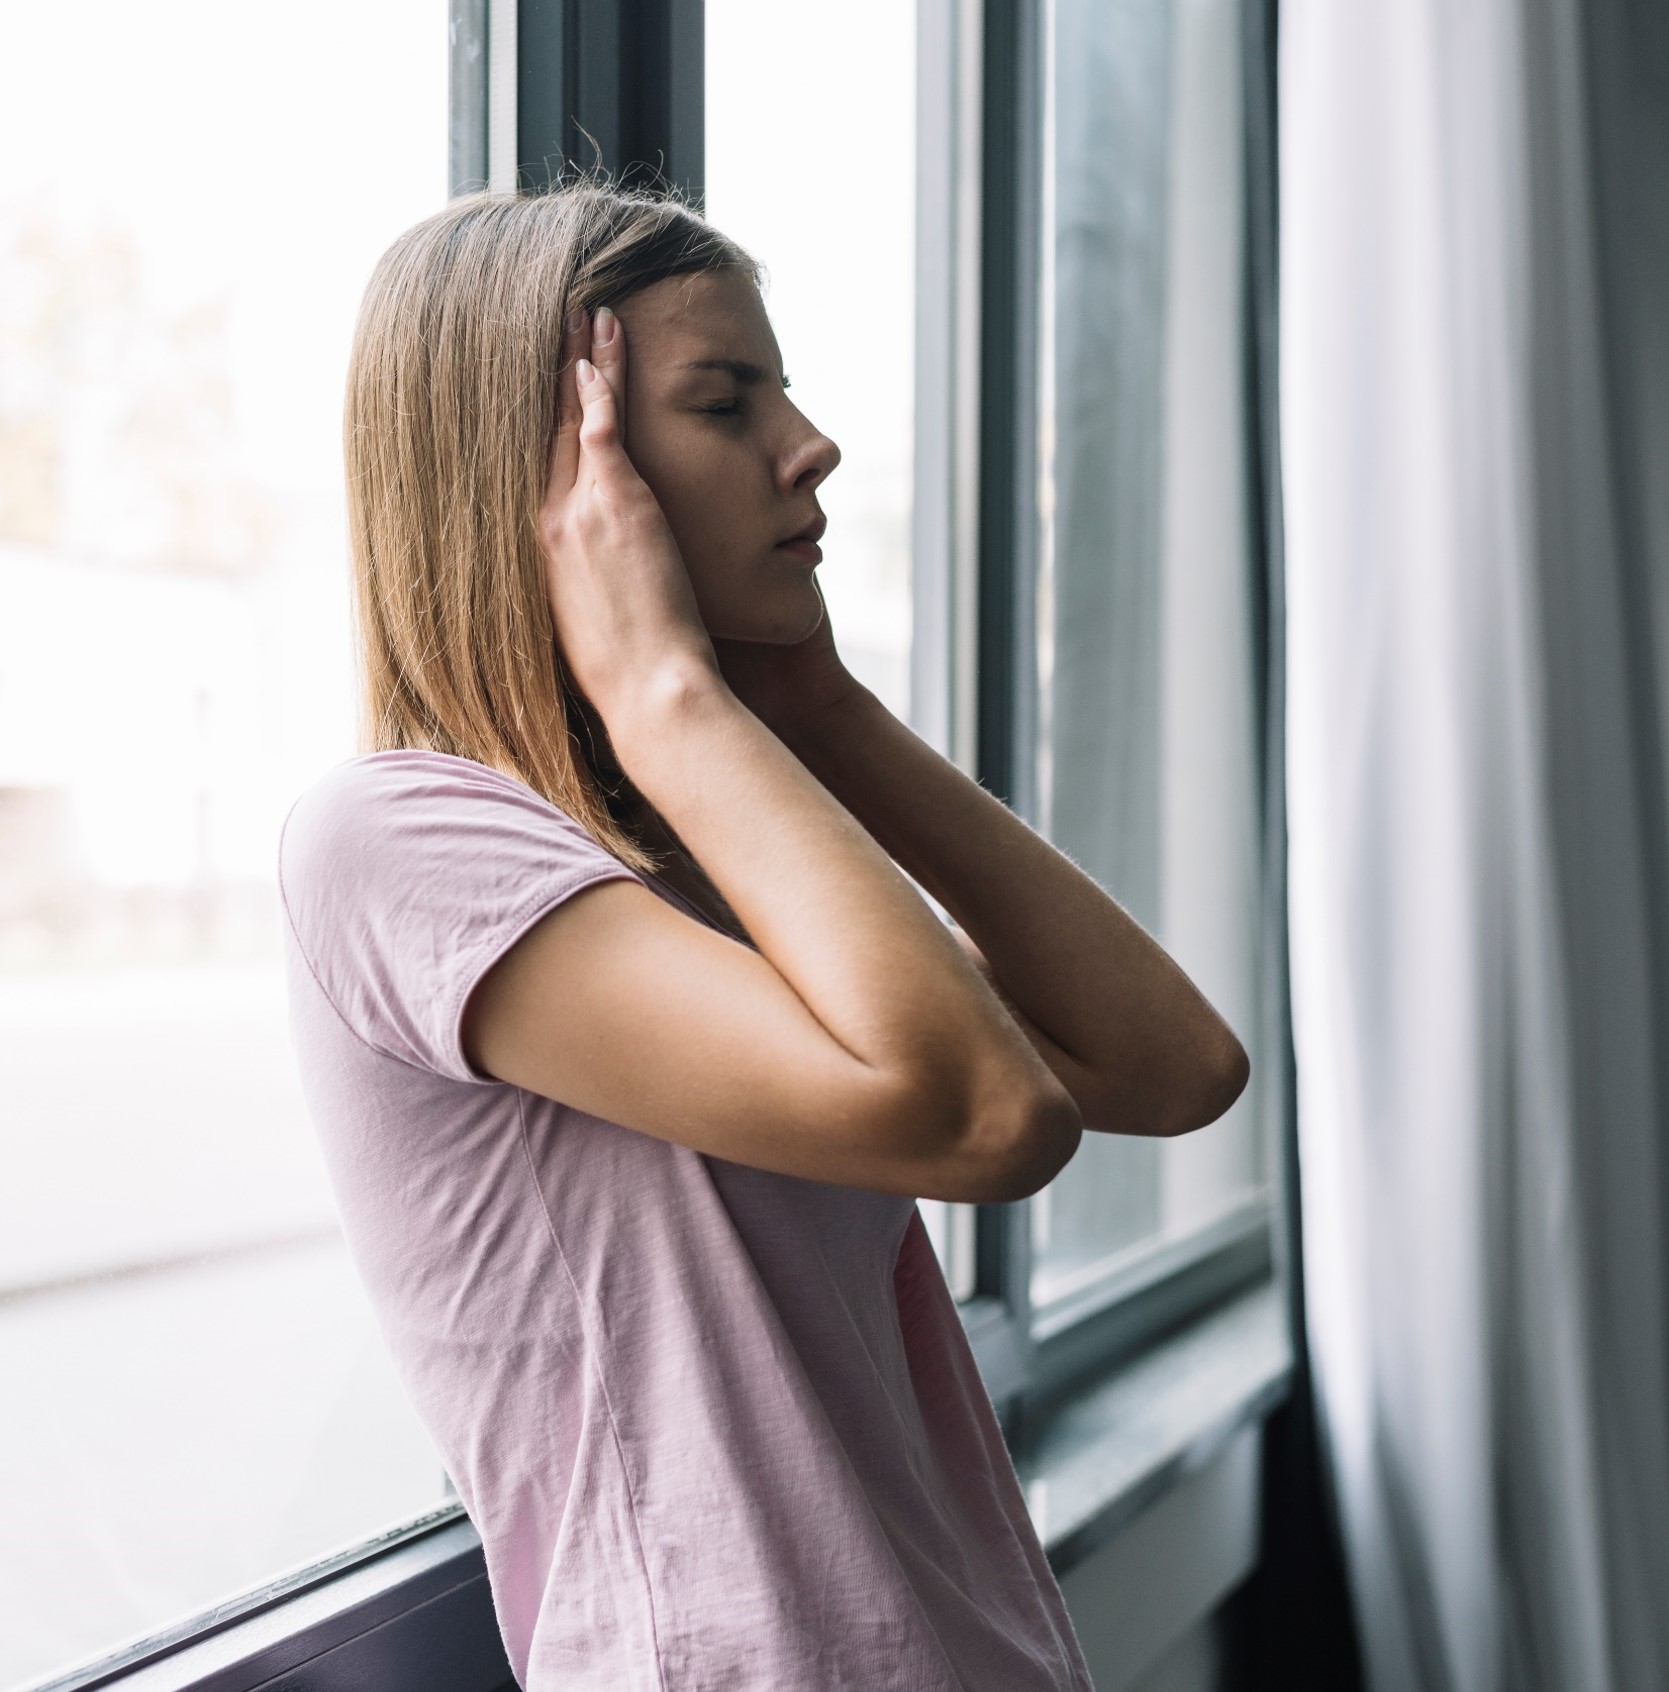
{"x":620,"y":597}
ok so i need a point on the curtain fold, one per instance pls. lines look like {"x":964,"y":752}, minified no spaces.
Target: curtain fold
{"x":1474,"y":388}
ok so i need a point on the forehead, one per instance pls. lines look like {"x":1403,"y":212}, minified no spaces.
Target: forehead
{"x":712,"y":315}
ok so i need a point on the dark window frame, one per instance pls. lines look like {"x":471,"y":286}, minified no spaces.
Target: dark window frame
{"x":411,"y":1609}
{"x":623,"y":81}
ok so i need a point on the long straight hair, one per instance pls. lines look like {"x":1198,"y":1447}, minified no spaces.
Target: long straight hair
{"x":450,"y":417}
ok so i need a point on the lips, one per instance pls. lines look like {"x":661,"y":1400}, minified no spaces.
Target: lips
{"x":803,"y":543}
{"x":812,"y":533}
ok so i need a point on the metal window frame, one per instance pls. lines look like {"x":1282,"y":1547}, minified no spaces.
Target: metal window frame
{"x":411,"y":1609}
{"x":543,"y":88}
{"x":533,"y":85}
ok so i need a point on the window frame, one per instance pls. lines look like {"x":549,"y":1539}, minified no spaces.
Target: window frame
{"x":978,"y":266}
{"x":532,"y":83}
{"x":410,"y":1608}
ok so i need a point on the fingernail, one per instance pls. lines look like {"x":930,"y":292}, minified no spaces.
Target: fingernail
{"x":575,"y":321}
{"x":602,"y":326}
{"x":584,"y":371}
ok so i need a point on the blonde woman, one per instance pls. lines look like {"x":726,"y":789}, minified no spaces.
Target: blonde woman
{"x":629,"y":1045}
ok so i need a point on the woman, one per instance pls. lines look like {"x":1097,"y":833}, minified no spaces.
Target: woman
{"x":629,"y":1045}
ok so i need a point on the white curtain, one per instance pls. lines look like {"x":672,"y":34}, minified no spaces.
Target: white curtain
{"x":1473,"y":388}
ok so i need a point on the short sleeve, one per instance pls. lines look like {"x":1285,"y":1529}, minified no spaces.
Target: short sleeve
{"x":407,"y":875}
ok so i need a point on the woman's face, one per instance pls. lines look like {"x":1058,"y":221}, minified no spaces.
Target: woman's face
{"x":734,"y":464}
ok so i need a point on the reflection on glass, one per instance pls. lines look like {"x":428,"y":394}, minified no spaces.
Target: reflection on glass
{"x":191,"y":199}
{"x":1147,"y":755}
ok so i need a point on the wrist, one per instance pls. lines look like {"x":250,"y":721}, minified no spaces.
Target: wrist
{"x":677,"y":692}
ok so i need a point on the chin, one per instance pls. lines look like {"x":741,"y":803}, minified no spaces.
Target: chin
{"x":783,"y":620}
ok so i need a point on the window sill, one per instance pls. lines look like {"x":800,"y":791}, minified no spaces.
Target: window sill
{"x":1102,"y":1455}
{"x":415,"y":1614}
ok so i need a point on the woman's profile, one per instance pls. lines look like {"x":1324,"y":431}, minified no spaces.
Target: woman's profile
{"x":630,"y":1044}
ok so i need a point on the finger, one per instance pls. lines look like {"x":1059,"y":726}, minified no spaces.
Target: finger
{"x":600,"y":456}
{"x":565,"y":450}
{"x":608,"y":353}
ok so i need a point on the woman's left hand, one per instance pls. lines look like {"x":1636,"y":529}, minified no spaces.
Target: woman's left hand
{"x":788,"y":687}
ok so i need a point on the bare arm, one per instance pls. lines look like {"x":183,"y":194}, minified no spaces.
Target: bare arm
{"x":1115,"y":1018}
{"x":859,"y":1045}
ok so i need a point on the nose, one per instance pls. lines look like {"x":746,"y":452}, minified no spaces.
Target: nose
{"x":811,"y":458}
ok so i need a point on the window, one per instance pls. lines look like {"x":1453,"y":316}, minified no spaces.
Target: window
{"x":191,"y":200}
{"x":1144,"y":722}
{"x":1003,"y":243}
{"x":1062,"y":189}
{"x":1086,"y":633}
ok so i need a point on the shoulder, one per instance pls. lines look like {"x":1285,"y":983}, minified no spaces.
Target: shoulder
{"x":404,"y":875}
{"x":386,"y":800}
{"x":409,"y":828}
{"x":367,"y":788}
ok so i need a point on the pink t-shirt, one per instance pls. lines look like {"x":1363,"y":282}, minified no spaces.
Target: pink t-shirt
{"x":719,"y":1429}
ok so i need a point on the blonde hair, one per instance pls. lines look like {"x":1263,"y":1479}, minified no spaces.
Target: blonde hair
{"x":451,"y":412}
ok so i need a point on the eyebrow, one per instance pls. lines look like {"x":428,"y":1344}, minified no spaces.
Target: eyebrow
{"x":738,"y":369}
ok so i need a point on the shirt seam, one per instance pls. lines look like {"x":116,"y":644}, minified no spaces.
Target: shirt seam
{"x":594,"y":1355}
{"x":547,"y":898}
{"x":548,"y":894}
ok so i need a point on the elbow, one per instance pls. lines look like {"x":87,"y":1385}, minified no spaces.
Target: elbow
{"x":1016,"y":1148}
{"x":1215,"y":1080}
{"x":1190,"y":1089}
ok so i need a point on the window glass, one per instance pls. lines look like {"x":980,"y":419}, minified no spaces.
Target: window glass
{"x":1147,"y":767}
{"x":191,"y":199}
{"x":811,"y":140}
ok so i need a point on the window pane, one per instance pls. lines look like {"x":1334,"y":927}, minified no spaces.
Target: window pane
{"x":811,"y":139}
{"x":1147,"y":754}
{"x":191,"y":198}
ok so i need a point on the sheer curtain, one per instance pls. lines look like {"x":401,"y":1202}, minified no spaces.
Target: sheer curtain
{"x":1475,"y":386}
